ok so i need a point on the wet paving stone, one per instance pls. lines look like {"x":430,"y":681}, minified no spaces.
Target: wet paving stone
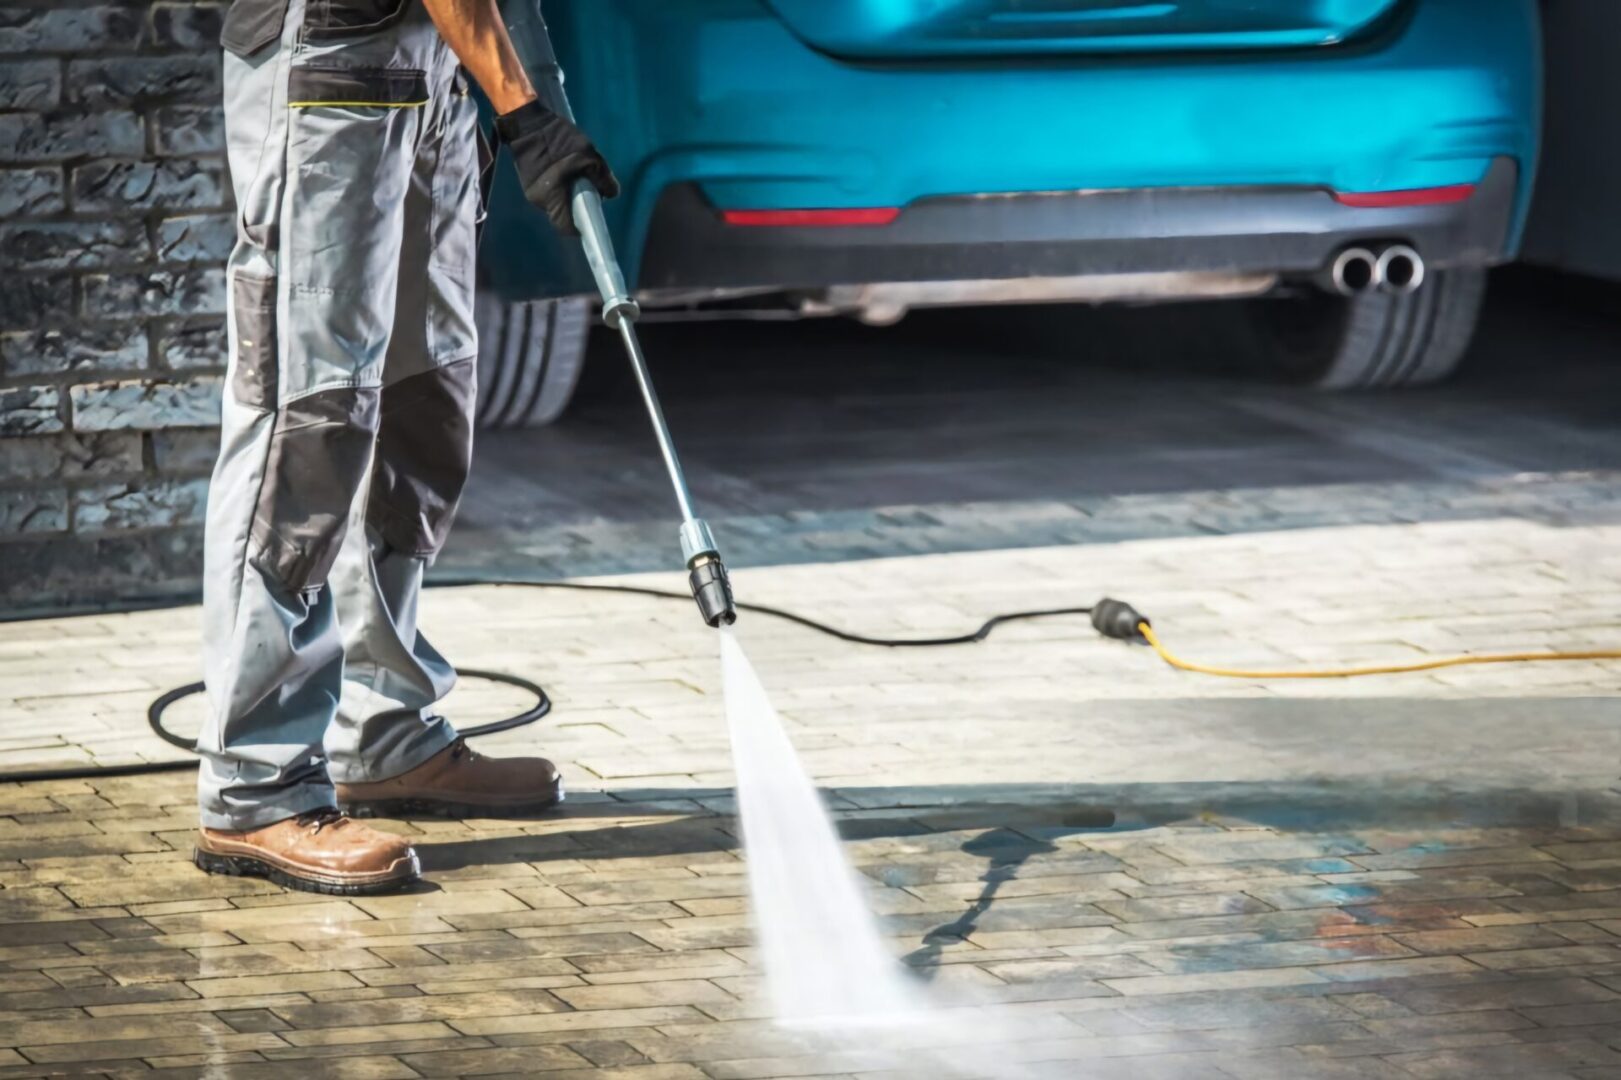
{"x":1403,"y":878}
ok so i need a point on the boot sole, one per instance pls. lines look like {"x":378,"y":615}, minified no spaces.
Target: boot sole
{"x":405,"y":809}
{"x":248,"y":866}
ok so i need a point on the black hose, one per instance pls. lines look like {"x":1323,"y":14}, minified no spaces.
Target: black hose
{"x":160,"y":704}
{"x":154,"y":716}
{"x":543,"y":704}
{"x":97,"y":772}
{"x":973,"y":638}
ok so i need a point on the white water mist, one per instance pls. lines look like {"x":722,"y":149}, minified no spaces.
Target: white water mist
{"x":826,"y":964}
{"x":824,"y":960}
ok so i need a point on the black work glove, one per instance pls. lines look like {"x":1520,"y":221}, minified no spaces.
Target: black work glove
{"x":551,"y":154}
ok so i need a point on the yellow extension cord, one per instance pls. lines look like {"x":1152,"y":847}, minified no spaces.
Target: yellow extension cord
{"x":1175,"y":661}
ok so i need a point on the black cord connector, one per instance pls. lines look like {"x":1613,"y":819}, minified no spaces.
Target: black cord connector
{"x":1118,"y":619}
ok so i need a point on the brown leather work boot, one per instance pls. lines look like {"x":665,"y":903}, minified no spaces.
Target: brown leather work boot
{"x":321,"y":851}
{"x":459,"y":782}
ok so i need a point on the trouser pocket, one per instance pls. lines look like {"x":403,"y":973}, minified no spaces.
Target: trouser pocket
{"x":250,"y":25}
{"x":341,"y":18}
{"x":253,"y":305}
{"x":311,"y":86}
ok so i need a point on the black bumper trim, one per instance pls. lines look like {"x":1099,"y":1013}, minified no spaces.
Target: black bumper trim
{"x":1285,"y":230}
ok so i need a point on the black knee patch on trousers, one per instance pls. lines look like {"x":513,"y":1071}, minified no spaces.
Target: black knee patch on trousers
{"x":424,"y":452}
{"x":319,"y":451}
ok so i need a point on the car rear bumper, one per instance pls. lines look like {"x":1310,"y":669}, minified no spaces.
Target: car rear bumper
{"x":1278,"y":230}
{"x":706,"y":104}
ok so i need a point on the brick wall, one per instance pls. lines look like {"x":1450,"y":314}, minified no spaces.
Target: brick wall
{"x":114,"y":224}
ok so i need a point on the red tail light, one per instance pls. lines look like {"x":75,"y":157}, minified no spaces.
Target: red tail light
{"x":872,"y":215}
{"x":1434,"y":196}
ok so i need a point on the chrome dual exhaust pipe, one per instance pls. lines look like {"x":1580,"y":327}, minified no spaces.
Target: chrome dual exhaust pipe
{"x":1400,"y":269}
{"x":1354,"y":270}
{"x":1397,"y":269}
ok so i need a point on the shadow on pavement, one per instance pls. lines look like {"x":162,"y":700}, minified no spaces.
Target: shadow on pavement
{"x":1006,"y":850}
{"x":1041,"y":813}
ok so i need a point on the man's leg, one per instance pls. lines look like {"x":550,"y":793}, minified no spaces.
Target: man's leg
{"x":272,"y":657}
{"x":393,"y":677}
{"x":388,"y":751}
{"x":321,"y":190}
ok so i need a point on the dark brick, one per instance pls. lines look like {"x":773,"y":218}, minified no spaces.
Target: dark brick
{"x":57,"y":28}
{"x":180,"y":451}
{"x":141,"y":80}
{"x":71,"y":456}
{"x":28,"y":301}
{"x":80,"y":348}
{"x":200,"y":291}
{"x":67,"y":569}
{"x":27,"y":192}
{"x":34,"y":511}
{"x":30,"y":84}
{"x":115,"y":220}
{"x":145,"y":406}
{"x":67,"y":135}
{"x":253,"y":1020}
{"x":182,"y":183}
{"x":198,"y":237}
{"x":30,"y":410}
{"x":120,"y":507}
{"x":186,"y":26}
{"x":190,"y":346}
{"x":62,"y":245}
{"x":189,"y":129}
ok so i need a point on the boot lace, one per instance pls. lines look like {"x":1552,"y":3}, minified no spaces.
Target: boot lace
{"x":320,"y":818}
{"x":459,"y":749}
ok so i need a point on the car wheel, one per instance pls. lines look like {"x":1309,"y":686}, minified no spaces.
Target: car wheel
{"x":529,"y":359}
{"x":1374,"y":339}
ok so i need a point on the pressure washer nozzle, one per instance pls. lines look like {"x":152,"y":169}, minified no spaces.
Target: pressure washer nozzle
{"x":1117,"y":619}
{"x":712,"y":588}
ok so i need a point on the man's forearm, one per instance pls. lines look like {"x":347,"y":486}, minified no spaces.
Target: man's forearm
{"x":475,"y":33}
{"x":549,"y":152}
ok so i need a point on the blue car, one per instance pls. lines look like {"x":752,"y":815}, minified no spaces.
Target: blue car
{"x":1349,"y":168}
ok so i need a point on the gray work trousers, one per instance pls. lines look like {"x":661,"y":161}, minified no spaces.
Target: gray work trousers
{"x":347,"y":429}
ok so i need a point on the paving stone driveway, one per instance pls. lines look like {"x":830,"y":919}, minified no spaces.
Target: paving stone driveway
{"x":1392,"y":877}
{"x":1413,"y":877}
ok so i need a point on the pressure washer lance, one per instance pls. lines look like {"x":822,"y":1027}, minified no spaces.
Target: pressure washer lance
{"x":706,"y":573}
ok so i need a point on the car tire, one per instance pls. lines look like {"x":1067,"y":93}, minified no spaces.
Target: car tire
{"x":1374,"y":339}
{"x":529,"y":358}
